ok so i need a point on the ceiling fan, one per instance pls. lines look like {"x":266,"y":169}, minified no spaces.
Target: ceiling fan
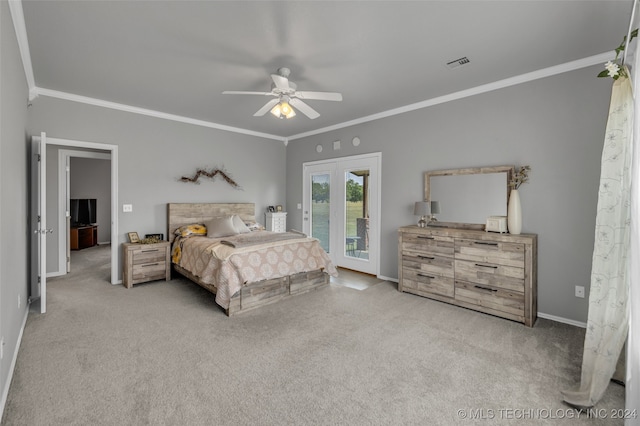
{"x":287,"y":96}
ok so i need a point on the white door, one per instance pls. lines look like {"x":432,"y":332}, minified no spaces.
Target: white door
{"x":341,"y":209}
{"x":318,"y":196}
{"x":39,"y":221}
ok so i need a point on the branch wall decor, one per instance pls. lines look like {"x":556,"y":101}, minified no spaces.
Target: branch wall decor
{"x":211,"y":175}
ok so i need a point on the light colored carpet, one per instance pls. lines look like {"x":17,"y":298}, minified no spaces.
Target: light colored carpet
{"x":164,"y":353}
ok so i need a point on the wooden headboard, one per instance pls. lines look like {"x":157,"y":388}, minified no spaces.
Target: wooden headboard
{"x":179,"y":214}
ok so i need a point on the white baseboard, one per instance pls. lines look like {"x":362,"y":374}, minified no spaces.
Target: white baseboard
{"x":382,"y":277}
{"x":562,"y":320}
{"x":7,"y":384}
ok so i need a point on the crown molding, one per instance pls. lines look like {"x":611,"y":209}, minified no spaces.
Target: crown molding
{"x":17,"y":15}
{"x":500,"y":84}
{"x":151,"y":113}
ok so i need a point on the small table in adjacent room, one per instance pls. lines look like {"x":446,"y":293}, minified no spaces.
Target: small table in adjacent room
{"x":83,"y":236}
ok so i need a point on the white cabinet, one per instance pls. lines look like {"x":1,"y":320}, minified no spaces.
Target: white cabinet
{"x":276,"y":222}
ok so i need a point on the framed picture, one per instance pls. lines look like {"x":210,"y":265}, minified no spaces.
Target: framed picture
{"x":271,"y":209}
{"x":133,"y":237}
{"x":278,"y":208}
{"x":158,"y":236}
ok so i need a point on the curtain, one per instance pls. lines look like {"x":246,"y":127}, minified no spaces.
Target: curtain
{"x":608,"y":318}
{"x":633,"y":342}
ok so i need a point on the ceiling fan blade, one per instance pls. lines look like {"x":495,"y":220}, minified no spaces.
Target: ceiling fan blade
{"x":281,"y":82}
{"x":321,"y":96}
{"x":240,"y":92}
{"x":304,"y":108}
{"x":266,"y":108}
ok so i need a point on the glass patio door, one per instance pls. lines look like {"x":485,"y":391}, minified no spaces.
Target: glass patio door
{"x":341,"y":209}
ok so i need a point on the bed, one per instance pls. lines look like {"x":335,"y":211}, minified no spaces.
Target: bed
{"x":247,"y":269}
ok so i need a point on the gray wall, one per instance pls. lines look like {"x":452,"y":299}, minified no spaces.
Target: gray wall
{"x":14,"y":212}
{"x":91,"y":178}
{"x":154,"y":154}
{"x":555,"y":124}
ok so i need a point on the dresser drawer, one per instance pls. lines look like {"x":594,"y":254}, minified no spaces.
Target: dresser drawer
{"x":494,"y":252}
{"x":485,"y":273}
{"x":430,"y":263}
{"x":428,"y":244}
{"x":149,"y":271}
{"x":502,"y":300}
{"x":148,"y":255}
{"x":425,"y":283}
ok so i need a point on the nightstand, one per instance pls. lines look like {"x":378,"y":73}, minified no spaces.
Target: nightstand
{"x":145,"y":262}
{"x":276,"y":222}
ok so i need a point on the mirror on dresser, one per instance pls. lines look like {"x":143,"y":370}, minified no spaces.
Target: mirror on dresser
{"x":468,"y":196}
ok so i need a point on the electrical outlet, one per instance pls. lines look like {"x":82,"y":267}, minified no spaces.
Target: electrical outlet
{"x":580,"y":291}
{"x":127,"y":208}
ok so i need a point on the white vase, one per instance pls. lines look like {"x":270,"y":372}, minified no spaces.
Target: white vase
{"x":514,"y":213}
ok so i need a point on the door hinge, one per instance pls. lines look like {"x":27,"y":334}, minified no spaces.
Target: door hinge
{"x":38,"y":155}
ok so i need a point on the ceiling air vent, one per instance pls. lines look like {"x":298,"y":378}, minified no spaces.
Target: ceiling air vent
{"x":458,"y":63}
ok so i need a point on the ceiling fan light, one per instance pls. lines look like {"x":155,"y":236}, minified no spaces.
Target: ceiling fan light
{"x":277,"y":110}
{"x":291,"y":113}
{"x":285,"y":108}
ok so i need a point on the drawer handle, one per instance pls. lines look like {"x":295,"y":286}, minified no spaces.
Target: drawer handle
{"x":426,"y":257}
{"x":486,"y":266}
{"x":427,"y":276}
{"x":150,"y":264}
{"x":485,"y":243}
{"x":493,"y":290}
{"x":150,"y":251}
{"x":422,"y":237}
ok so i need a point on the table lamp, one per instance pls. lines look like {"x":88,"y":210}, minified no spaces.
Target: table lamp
{"x":422,"y":209}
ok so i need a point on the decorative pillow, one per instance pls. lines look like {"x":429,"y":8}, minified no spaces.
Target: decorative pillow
{"x":193,"y":229}
{"x":254,"y":226}
{"x":241,"y":228}
{"x":220,"y":227}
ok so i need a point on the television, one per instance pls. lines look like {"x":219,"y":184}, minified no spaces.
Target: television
{"x":82,"y":211}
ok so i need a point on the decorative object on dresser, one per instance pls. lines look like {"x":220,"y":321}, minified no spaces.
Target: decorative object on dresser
{"x":435,"y":209}
{"x":276,"y":221}
{"x":496,"y":224}
{"x":514,"y":211}
{"x":133,"y":237}
{"x":491,"y":273}
{"x":145,"y":262}
{"x":470,"y":195}
{"x":422,"y":209}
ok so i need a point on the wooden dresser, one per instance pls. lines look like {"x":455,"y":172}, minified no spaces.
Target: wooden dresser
{"x":145,"y":262}
{"x":484,"y":271}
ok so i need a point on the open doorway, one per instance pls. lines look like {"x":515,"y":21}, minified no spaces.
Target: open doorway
{"x":60,"y":154}
{"x":84,"y":180}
